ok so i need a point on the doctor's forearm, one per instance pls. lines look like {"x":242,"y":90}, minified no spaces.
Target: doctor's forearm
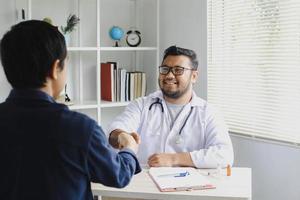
{"x":183,"y":160}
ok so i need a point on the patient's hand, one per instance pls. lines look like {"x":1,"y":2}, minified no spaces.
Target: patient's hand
{"x":119,"y":138}
{"x":113,"y":138}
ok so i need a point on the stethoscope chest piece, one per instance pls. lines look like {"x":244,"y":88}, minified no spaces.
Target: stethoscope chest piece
{"x":178,"y":139}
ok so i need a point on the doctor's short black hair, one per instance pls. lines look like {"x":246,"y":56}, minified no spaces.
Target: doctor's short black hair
{"x":178,"y":51}
{"x":28,"y":51}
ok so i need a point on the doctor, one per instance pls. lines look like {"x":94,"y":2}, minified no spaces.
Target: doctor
{"x":175,"y":126}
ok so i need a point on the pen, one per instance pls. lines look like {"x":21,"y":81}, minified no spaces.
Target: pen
{"x":181,"y":174}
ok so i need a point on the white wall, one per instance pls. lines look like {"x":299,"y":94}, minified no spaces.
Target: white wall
{"x":275,"y":167}
{"x":183,"y":23}
{"x":7,"y":18}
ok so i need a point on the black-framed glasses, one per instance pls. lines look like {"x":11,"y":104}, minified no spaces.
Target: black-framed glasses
{"x":177,"y":70}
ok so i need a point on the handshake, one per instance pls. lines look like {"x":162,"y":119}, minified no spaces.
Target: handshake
{"x":120,"y":139}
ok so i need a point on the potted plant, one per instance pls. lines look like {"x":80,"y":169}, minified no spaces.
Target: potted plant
{"x":48,"y":20}
{"x":72,"y":22}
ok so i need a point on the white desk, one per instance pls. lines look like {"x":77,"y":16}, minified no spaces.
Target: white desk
{"x":234,"y":187}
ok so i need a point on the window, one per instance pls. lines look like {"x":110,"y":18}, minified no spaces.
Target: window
{"x":254,"y":66}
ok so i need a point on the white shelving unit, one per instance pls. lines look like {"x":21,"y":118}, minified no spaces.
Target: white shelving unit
{"x":91,"y":45}
{"x":108,"y":104}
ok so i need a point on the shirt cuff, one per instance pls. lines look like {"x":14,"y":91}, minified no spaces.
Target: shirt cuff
{"x":138,"y":168}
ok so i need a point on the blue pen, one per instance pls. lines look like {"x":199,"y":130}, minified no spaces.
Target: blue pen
{"x":181,"y":174}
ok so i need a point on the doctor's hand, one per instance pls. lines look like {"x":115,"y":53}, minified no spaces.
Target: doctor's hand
{"x":162,"y":160}
{"x":182,"y":159}
{"x":117,"y":142}
{"x":127,"y":141}
{"x":136,"y":137}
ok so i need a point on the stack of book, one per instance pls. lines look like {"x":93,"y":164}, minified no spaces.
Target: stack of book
{"x":117,"y":84}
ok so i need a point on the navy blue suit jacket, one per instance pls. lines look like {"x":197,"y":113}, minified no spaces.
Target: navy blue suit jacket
{"x":50,"y":152}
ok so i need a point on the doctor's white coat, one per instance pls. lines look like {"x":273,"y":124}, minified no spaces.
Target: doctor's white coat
{"x":205,"y":135}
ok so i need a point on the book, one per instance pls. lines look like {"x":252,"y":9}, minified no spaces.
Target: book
{"x":171,"y":179}
{"x":135,"y":85}
{"x":119,"y":85}
{"x":132,"y":86}
{"x":107,"y":82}
{"x":127,"y":87}
{"x":138,"y":84}
{"x":143,"y":84}
{"x":118,"y":88}
{"x":123,"y":84}
{"x":115,"y":79}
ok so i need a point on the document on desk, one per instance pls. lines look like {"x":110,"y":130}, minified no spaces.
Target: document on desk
{"x":171,"y":179}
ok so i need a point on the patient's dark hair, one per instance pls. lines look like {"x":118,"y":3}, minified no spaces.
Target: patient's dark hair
{"x":177,"y":51}
{"x":28,"y":51}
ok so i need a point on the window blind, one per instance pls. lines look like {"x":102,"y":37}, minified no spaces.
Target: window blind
{"x":254,"y":66}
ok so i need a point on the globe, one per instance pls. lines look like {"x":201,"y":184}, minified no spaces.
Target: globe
{"x":116,"y":33}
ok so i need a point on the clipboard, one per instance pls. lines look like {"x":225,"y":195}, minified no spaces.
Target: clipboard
{"x":172,"y":179}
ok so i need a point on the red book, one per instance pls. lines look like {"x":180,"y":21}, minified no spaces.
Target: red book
{"x":107,"y":82}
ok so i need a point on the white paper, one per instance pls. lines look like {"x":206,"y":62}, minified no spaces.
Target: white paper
{"x":168,"y":178}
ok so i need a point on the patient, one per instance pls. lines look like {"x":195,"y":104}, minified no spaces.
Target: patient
{"x":47,"y":151}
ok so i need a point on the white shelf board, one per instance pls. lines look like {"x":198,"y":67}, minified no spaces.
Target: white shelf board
{"x":112,"y":48}
{"x":108,"y":104}
{"x":82,"y":48}
{"x":128,"y":48}
{"x":83,"y":105}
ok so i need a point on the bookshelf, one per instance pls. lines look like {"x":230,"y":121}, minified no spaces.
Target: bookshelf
{"x":90,"y":45}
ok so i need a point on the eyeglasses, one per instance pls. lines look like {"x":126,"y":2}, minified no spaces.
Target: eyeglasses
{"x":177,"y":70}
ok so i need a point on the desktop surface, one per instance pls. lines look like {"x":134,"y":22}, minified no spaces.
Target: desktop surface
{"x":235,"y":187}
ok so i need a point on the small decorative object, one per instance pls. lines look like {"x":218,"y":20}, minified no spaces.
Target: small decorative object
{"x":116,"y":33}
{"x":67,"y":98}
{"x":64,"y":98}
{"x":48,"y":20}
{"x":72,"y":22}
{"x":133,"y":38}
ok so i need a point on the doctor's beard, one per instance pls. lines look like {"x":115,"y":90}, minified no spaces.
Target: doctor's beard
{"x":174,"y":94}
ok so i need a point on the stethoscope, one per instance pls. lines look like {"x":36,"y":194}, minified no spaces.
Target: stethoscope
{"x":158,"y":101}
{"x":178,"y":138}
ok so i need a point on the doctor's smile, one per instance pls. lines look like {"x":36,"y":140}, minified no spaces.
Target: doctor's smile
{"x":169,"y":82}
